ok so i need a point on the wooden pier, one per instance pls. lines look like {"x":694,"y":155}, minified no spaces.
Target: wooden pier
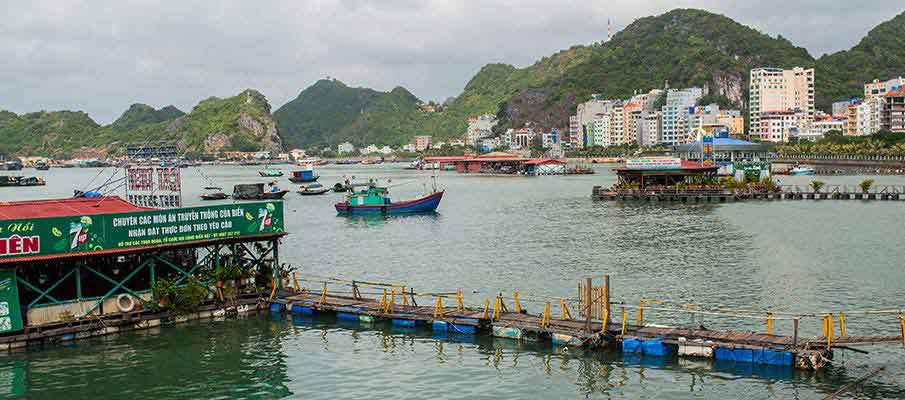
{"x":786,"y":192}
{"x":594,"y":325}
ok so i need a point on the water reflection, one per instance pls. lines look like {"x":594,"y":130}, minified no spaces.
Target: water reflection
{"x":377,"y":220}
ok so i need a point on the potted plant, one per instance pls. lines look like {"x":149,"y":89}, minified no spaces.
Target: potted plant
{"x":866,"y":185}
{"x":163,"y":293}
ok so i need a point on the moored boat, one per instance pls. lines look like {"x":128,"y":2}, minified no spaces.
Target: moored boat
{"x":6,"y":180}
{"x":312,"y":189}
{"x":214,"y":196}
{"x":304,"y":176}
{"x":255,"y":191}
{"x":270,"y":173}
{"x":42,"y":166}
{"x":372,"y":199}
{"x":797,"y":171}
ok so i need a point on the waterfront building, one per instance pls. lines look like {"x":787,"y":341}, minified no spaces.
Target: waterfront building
{"x":409,"y":148}
{"x":601,"y":129}
{"x":817,"y":129}
{"x":725,"y":150}
{"x":385,"y":150}
{"x":864,"y":117}
{"x":297,"y":154}
{"x":523,"y":138}
{"x":479,"y":128}
{"x":675,"y":113}
{"x":345,"y":148}
{"x":423,"y":142}
{"x":778,"y":126}
{"x":617,"y":124}
{"x":549,"y":139}
{"x":880,"y":89}
{"x":840,"y":108}
{"x":652,"y":126}
{"x":779,"y":90}
{"x":893,"y":116}
{"x":489,"y":144}
{"x":584,"y":117}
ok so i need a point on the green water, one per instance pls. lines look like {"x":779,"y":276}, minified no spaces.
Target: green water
{"x":535,"y":235}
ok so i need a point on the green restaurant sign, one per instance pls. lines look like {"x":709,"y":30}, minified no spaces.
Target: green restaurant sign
{"x":91,"y":233}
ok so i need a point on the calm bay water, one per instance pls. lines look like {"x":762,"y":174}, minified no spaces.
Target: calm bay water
{"x":538,"y":236}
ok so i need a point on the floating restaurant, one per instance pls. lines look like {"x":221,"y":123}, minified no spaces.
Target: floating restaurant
{"x":79,"y":267}
{"x":501,"y":163}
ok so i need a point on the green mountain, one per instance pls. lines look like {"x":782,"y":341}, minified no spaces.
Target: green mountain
{"x":879,"y":55}
{"x":239,"y":123}
{"x":142,"y":114}
{"x":329,"y":112}
{"x":45,"y":133}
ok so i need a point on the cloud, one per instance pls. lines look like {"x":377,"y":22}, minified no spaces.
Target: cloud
{"x":102,"y":56}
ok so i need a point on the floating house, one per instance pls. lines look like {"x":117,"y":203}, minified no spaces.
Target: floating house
{"x":653,"y":172}
{"x":511,"y":164}
{"x":81,"y":267}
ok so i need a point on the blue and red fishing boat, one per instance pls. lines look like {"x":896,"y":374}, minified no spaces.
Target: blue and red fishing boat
{"x":375,"y":200}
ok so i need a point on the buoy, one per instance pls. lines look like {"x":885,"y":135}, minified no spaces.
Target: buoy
{"x":121,"y":306}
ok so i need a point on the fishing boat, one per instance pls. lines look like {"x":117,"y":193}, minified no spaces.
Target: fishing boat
{"x":6,"y":180}
{"x":340,"y":187}
{"x":214,"y":196}
{"x":365,"y":199}
{"x":270,"y":173}
{"x":312,"y":189}
{"x":304,"y":176}
{"x":255,"y":191}
{"x":798,"y":171}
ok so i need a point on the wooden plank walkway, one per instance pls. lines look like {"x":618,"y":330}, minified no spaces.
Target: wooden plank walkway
{"x":576,"y":328}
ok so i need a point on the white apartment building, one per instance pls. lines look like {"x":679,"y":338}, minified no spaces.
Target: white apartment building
{"x":601,"y":129}
{"x":879,"y":89}
{"x":652,"y":122}
{"x":479,"y":128}
{"x":345,"y":147}
{"x":780,"y":90}
{"x":675,"y":113}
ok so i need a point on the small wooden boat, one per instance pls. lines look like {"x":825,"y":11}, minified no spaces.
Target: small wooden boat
{"x":270,"y":173}
{"x":255,"y":191}
{"x":312,"y":189}
{"x":375,"y":200}
{"x":6,"y":180}
{"x":214,"y":196}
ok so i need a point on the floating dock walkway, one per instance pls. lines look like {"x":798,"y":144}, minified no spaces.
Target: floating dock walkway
{"x":831,"y":192}
{"x":588,"y":328}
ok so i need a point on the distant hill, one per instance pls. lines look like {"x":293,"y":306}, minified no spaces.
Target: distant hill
{"x":242,"y":122}
{"x":142,"y":114}
{"x":329,"y":112}
{"x":879,"y":55}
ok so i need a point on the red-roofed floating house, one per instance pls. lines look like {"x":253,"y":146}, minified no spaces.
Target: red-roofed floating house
{"x":84,"y":267}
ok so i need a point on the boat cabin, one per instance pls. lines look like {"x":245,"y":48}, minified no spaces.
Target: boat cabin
{"x":368,"y":195}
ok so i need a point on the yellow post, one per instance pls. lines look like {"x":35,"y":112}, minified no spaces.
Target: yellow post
{"x":640,"y":312}
{"x":323,"y":299}
{"x":295,"y":281}
{"x":902,"y":327}
{"x":518,"y":306}
{"x":383,"y":301}
{"x":459,"y":305}
{"x":829,"y":324}
{"x":273,"y":292}
{"x":392,"y":303}
{"x":438,"y":308}
{"x":624,"y":319}
{"x":841,"y":324}
{"x":496,"y":308}
{"x":564,"y":310}
{"x":824,"y":327}
{"x":546,"y":318}
{"x":769,"y":323}
{"x":606,"y":317}
{"x":486,"y":308}
{"x":405,"y":299}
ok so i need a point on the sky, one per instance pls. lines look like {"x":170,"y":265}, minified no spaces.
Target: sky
{"x":102,"y":56}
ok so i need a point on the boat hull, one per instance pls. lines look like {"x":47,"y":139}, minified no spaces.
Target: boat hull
{"x":425,"y":204}
{"x":263,"y":196}
{"x":304,"y":180}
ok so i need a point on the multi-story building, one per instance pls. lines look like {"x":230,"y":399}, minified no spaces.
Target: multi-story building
{"x":574,"y":130}
{"x":652,"y":122}
{"x":479,"y":128}
{"x":779,"y":126}
{"x":864,"y":118}
{"x":601,"y":129}
{"x":423,"y":142}
{"x":893,"y":116}
{"x":345,"y":147}
{"x":523,"y":138}
{"x":585,"y":114}
{"x":780,"y":90}
{"x":879,"y":89}
{"x":675,"y":113}
{"x":840,"y":108}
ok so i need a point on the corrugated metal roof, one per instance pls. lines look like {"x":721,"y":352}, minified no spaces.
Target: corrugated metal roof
{"x":74,"y":207}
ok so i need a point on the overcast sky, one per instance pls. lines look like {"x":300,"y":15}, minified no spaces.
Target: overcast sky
{"x":101,"y":56}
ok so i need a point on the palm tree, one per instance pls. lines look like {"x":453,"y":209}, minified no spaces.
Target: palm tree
{"x":817,"y":185}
